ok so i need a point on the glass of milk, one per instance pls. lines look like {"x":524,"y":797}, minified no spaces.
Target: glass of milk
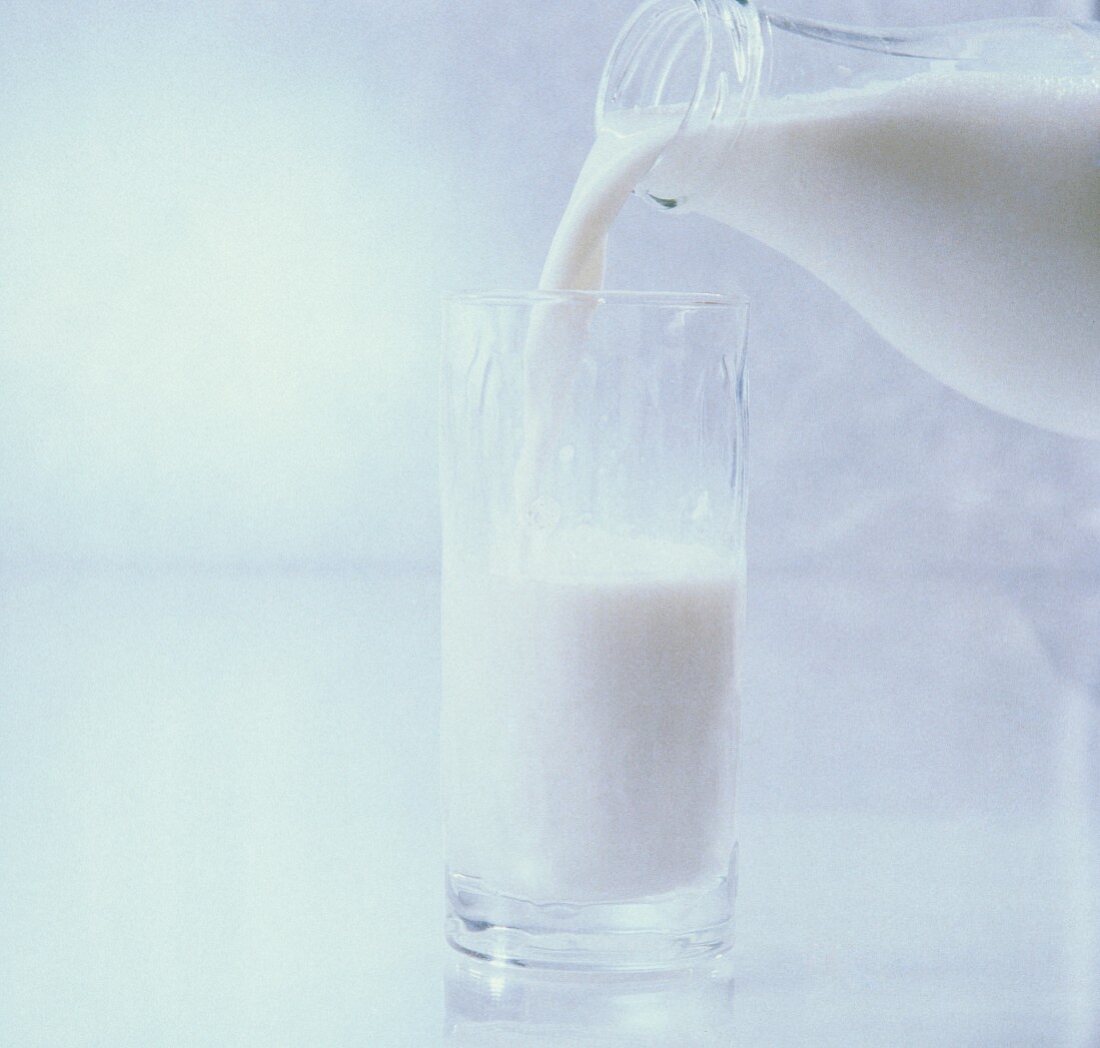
{"x":593,"y":586}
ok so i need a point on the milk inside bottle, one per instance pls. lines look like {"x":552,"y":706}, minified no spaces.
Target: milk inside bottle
{"x":944,"y":182}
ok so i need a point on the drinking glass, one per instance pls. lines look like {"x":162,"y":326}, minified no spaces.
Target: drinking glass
{"x":593,"y":590}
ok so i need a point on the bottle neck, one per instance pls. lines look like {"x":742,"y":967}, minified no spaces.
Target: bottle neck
{"x":696,"y":65}
{"x":691,"y":63}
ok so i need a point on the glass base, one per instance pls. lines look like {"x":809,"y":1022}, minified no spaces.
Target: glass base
{"x":666,"y":931}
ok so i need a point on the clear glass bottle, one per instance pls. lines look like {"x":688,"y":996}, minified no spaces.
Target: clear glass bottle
{"x":944,"y":181}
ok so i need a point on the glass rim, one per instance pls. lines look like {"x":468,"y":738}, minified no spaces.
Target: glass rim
{"x":654,"y":299}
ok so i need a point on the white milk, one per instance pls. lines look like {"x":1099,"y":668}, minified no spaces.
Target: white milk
{"x":619,"y":158}
{"x":589,"y":729}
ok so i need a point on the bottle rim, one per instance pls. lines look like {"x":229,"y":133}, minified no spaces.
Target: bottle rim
{"x":710,"y":52}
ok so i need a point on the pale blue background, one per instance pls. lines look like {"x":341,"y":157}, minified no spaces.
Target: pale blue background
{"x":224,"y":229}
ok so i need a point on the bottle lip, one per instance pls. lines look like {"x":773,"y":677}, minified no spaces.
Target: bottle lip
{"x":629,"y":49}
{"x":699,"y":59}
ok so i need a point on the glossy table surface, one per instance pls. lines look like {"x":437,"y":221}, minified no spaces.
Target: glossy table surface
{"x":219,"y":825}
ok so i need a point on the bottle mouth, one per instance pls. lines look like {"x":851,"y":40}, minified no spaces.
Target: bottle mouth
{"x":692,"y":61}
